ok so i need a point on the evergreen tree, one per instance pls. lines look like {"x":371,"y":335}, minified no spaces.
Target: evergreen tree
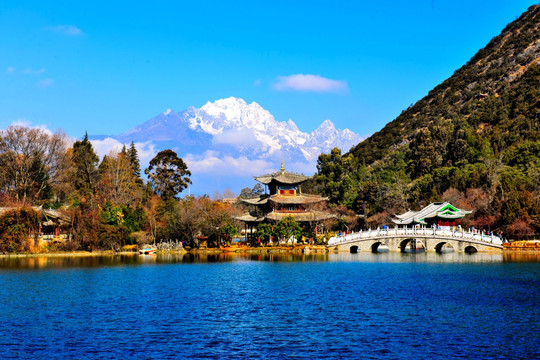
{"x":85,"y":161}
{"x":104,"y":165}
{"x":286,"y":228}
{"x":134,"y":161}
{"x":124,"y":150}
{"x":168,"y":174}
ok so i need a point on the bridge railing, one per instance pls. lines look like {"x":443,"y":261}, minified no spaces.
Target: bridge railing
{"x":422,"y":232}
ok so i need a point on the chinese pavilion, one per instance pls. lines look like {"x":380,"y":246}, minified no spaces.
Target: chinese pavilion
{"x":283,"y":198}
{"x":438,"y":213}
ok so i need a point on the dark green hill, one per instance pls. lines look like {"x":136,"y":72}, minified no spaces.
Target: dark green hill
{"x":474,"y":139}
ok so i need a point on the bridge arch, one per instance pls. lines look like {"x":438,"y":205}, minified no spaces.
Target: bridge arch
{"x":354,"y":249}
{"x":411,"y":244}
{"x":444,"y":247}
{"x":470,"y":249}
{"x":379,"y":246}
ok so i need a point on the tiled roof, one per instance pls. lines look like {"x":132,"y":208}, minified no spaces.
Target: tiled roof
{"x":249,"y":218}
{"x":443,"y":210}
{"x":48,"y":213}
{"x":284,"y":177}
{"x":261,"y":200}
{"x":300,"y":216}
{"x":297,"y":199}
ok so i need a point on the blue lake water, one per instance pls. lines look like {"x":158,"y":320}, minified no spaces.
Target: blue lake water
{"x":340,"y":306}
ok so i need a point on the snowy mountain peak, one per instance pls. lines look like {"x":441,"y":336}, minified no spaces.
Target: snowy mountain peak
{"x":233,"y":137}
{"x":236,"y":113}
{"x":327,"y":125}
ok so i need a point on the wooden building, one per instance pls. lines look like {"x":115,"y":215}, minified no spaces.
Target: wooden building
{"x":53,"y":226}
{"x":437,"y":213}
{"x":283,"y":197}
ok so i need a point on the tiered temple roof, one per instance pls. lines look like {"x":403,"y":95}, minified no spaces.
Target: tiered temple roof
{"x":285,"y":199}
{"x":307,"y":216}
{"x":430,"y":214}
{"x":282,"y":177}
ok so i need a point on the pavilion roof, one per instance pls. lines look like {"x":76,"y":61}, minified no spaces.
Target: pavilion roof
{"x":443,"y":210}
{"x":260,"y":200}
{"x":300,"y":216}
{"x":249,"y":218}
{"x":284,"y":177}
{"x":297,"y":199}
{"x":48,"y":214}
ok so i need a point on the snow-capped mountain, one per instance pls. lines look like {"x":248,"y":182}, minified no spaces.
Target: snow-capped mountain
{"x":229,"y":138}
{"x":247,"y":129}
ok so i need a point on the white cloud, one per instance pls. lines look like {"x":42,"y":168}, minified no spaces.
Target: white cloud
{"x":105,"y":146}
{"x":10,"y":69}
{"x":307,"y":82}
{"x":66,"y":29}
{"x":211,"y":162}
{"x":239,"y":138}
{"x":45,"y":83}
{"x":28,"y":124}
{"x":145,"y":150}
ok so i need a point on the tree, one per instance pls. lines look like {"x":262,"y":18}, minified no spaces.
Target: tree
{"x":334,"y":176}
{"x":15,"y":228}
{"x":519,"y":229}
{"x":168,"y":174}
{"x":117,"y":181}
{"x":134,"y":162}
{"x":246,"y":193}
{"x":30,"y":162}
{"x":228,"y":194}
{"x":264,"y":231}
{"x":257,"y":190}
{"x":85,"y":161}
{"x":287,"y":228}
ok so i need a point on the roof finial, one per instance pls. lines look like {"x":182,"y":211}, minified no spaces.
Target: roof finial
{"x":282,"y":168}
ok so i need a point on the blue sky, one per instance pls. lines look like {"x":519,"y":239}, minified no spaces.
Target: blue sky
{"x":106,"y":66}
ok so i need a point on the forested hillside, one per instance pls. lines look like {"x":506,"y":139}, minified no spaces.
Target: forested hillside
{"x":473,"y":140}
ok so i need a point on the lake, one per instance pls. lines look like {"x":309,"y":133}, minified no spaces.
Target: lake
{"x":337,"y":306}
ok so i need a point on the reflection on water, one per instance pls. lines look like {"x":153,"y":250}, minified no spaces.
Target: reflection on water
{"x":44,"y":262}
{"x":271,"y":306}
{"x":521,"y":256}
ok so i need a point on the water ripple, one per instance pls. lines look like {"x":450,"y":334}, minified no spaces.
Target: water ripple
{"x":332,"y":307}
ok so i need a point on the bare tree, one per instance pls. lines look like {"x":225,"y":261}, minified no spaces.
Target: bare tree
{"x":31,"y":162}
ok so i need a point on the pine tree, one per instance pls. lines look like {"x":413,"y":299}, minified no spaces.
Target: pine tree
{"x":85,"y":161}
{"x":124,"y":150}
{"x":134,"y":161}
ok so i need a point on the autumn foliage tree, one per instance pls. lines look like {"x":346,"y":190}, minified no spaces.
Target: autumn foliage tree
{"x":17,"y":226}
{"x":118,"y":181}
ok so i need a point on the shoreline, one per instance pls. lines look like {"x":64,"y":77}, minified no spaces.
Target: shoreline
{"x":304,"y":249}
{"x":299,"y":249}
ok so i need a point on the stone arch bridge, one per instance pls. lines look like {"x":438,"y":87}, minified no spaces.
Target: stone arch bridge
{"x":429,"y":239}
